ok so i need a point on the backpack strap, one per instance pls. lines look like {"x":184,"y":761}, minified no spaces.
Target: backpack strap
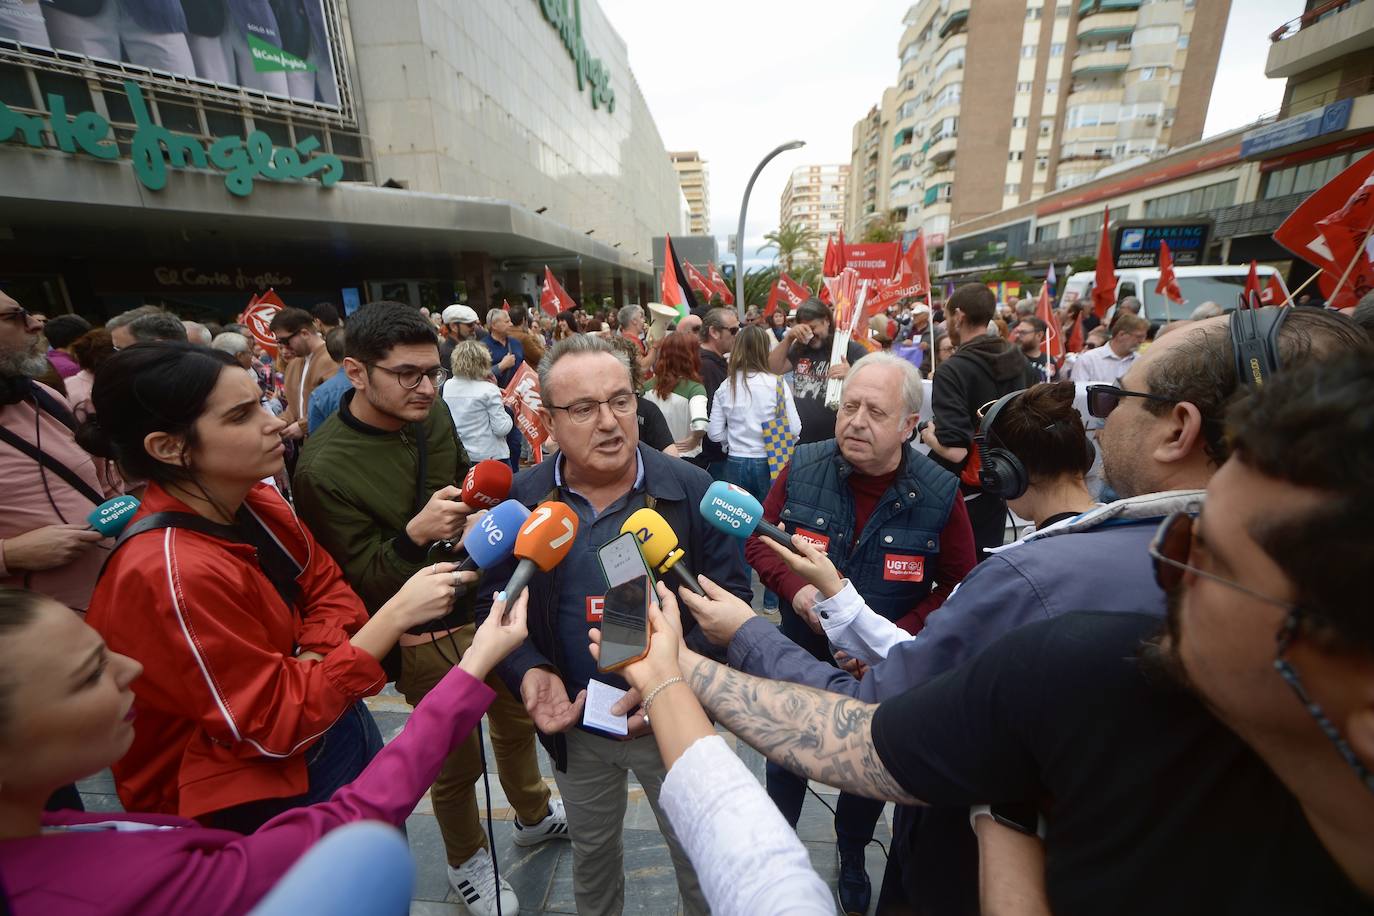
{"x":72,"y":478}
{"x":280,"y":568}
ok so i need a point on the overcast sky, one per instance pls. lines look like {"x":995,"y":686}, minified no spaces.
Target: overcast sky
{"x":735,"y":78}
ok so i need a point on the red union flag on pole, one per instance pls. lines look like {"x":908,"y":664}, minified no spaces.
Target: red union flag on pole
{"x":522,"y":398}
{"x":720,"y":285}
{"x":786,"y":288}
{"x":1308,"y":231}
{"x":1104,"y":286}
{"x":257,"y":317}
{"x":1044,"y":310}
{"x":698,"y":280}
{"x":1347,"y":233}
{"x":1251,"y":294}
{"x":1168,"y":283}
{"x":912,"y":280}
{"x":553,"y":298}
{"x":1273,"y":292}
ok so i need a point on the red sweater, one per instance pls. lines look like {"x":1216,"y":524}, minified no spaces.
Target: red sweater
{"x":957,"y":551}
{"x":225,"y":710}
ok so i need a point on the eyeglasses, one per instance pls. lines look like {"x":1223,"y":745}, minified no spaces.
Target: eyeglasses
{"x":1103,"y":399}
{"x":622,"y":405}
{"x":1170,"y":551}
{"x":19,"y":316}
{"x":286,"y":341}
{"x":409,"y":379}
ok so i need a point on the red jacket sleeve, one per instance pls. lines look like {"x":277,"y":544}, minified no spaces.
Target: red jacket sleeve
{"x":958,"y":555}
{"x":773,"y":572}
{"x":221,"y":656}
{"x":331,"y":611}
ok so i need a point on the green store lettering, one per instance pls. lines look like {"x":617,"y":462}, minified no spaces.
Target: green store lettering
{"x":153,"y":147}
{"x":590,"y":69}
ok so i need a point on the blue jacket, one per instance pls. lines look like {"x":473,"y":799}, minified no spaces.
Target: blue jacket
{"x":906,"y":522}
{"x":676,"y":487}
{"x":1098,"y":562}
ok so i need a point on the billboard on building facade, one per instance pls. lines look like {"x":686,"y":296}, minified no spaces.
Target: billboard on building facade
{"x":279,"y":47}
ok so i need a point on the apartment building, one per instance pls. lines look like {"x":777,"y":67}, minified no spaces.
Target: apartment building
{"x":695,"y":177}
{"x":1064,"y":91}
{"x":815,"y":196}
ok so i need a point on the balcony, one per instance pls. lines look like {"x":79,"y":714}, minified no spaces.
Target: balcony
{"x":1092,"y":63}
{"x":1088,"y":8}
{"x":1106,"y":26}
{"x":1327,"y":33}
{"x":941,"y":175}
{"x":941,"y":148}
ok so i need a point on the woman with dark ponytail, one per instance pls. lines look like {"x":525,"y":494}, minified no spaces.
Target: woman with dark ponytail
{"x":256,"y":653}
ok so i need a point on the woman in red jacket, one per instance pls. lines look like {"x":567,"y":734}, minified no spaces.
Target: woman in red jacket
{"x":250,"y":702}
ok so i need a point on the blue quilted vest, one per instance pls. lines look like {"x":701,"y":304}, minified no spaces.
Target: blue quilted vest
{"x":893,"y":562}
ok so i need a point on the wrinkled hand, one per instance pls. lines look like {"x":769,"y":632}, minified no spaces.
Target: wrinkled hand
{"x":49,"y":547}
{"x":801,"y":332}
{"x":546,"y":700}
{"x":427,"y":594}
{"x":441,"y":519}
{"x":803,"y":602}
{"x":719,"y":614}
{"x":807,"y":561}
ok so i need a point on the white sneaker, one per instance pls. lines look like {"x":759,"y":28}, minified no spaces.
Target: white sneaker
{"x":474,"y":882}
{"x":554,"y":826}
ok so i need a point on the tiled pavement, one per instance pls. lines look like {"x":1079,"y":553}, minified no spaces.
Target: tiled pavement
{"x":542,"y":875}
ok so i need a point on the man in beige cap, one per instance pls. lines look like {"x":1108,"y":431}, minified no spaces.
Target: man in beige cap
{"x":461,"y":323}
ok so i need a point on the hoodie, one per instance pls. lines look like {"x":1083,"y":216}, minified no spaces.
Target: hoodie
{"x":980,"y":371}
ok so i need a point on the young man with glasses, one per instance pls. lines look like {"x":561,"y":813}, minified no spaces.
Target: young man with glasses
{"x":1216,"y":762}
{"x":296,"y":332}
{"x":1160,"y":447}
{"x":604,"y":474}
{"x":359,"y":488}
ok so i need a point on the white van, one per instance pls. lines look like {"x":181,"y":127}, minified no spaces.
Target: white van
{"x":1219,"y":283}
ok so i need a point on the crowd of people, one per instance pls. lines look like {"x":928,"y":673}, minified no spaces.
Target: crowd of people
{"x":1156,"y":696}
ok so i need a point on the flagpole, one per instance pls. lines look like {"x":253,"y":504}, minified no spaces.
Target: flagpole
{"x":1353,"y":261}
{"x":744,"y":209}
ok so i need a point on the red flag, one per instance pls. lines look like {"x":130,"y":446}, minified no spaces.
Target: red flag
{"x":719,"y":283}
{"x":1168,"y":283}
{"x":1104,"y":288}
{"x":1274,"y":293}
{"x":553,"y":298}
{"x":1054,"y":340}
{"x":258,"y":318}
{"x":676,"y":285}
{"x":1303,"y":233}
{"x":772,"y":305}
{"x":521,"y":395}
{"x":698,"y":280}
{"x":1347,"y":233}
{"x":912,"y":279}
{"x":1252,"y":286}
{"x":505,"y":305}
{"x":830,"y":267}
{"x":795,"y":293}
{"x":1075,"y":342}
{"x":844,"y":255}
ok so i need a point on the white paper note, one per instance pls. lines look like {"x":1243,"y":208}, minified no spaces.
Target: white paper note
{"x":597,"y":713}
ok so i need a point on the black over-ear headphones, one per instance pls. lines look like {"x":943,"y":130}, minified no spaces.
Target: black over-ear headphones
{"x":1255,"y":342}
{"x":1001,"y":473}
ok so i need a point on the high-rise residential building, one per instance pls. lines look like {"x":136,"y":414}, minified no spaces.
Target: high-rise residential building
{"x":1064,"y":90}
{"x":815,"y":197}
{"x":871,"y":166}
{"x":695,"y":177}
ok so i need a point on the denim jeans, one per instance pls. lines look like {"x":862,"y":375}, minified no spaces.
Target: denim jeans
{"x":752,"y":475}
{"x":331,"y":763}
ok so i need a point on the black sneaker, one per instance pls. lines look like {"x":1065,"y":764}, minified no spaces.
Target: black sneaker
{"x":856,"y":892}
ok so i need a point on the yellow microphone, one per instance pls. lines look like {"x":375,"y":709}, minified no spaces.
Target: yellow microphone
{"x":658,"y":543}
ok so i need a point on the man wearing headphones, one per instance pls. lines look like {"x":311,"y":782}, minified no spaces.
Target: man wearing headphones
{"x":1162,"y":441}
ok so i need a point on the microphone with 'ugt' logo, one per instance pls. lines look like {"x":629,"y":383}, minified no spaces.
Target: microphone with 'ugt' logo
{"x":736,"y":512}
{"x":544,"y":540}
{"x":658,"y":544}
{"x":113,"y":515}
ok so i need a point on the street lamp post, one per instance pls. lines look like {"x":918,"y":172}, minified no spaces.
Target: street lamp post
{"x":744,"y":209}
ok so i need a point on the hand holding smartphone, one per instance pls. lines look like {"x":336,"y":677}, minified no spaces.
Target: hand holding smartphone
{"x":625,"y":613}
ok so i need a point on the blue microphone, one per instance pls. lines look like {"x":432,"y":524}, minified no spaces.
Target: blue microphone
{"x":113,"y":515}
{"x":492,"y":540}
{"x":735,"y":511}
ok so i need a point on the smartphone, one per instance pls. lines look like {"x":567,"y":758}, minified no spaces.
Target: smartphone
{"x":625,"y":611}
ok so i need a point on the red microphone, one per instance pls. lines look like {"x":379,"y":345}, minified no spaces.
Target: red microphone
{"x":487,"y":484}
{"x":544,"y":540}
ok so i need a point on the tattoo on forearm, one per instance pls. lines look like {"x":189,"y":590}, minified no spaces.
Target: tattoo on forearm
{"x":826,"y":736}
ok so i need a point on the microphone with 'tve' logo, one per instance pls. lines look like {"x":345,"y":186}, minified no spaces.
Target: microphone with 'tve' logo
{"x":658,"y":544}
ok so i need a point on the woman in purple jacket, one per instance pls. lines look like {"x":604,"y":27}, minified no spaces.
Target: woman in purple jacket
{"x":66,"y":712}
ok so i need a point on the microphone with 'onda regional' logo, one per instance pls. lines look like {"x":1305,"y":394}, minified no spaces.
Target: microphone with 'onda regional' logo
{"x":735,"y":511}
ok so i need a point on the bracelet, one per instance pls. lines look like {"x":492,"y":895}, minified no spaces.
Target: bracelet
{"x":649,"y":697}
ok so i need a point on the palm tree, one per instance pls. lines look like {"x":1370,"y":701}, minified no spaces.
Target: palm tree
{"x":791,"y":241}
{"x":882,"y":228}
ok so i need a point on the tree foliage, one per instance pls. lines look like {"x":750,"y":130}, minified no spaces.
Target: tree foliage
{"x":794,"y":242}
